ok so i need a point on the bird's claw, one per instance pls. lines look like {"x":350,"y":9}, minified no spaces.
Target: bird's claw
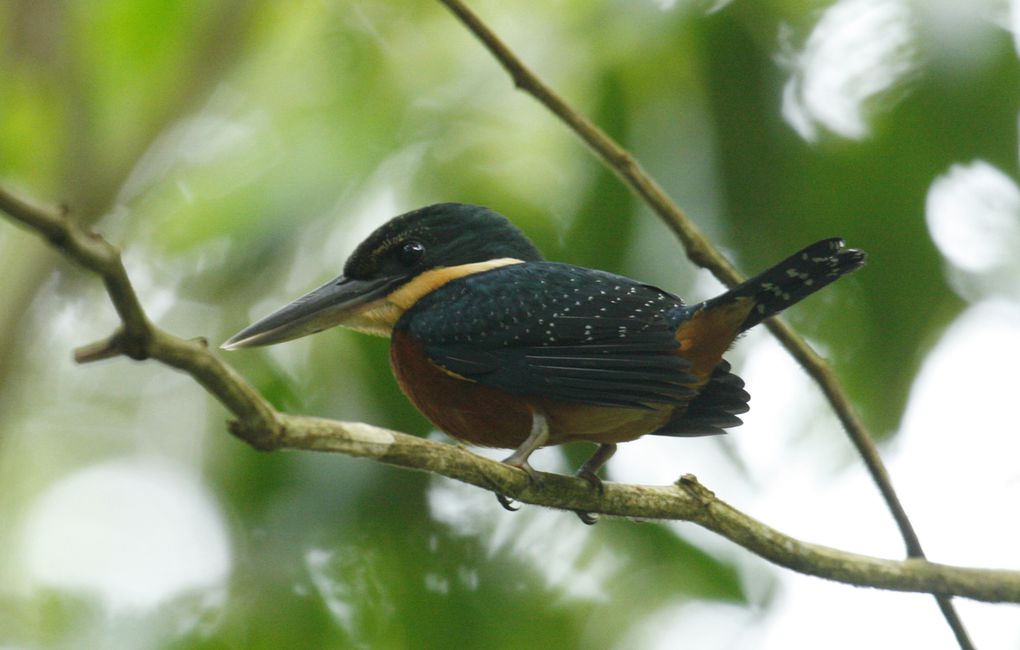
{"x":539,"y":436}
{"x":534,"y":477}
{"x":588,"y":518}
{"x":507,"y":502}
{"x":588,"y":473}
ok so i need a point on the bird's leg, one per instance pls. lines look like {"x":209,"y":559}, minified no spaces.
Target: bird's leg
{"x":539,"y":436}
{"x":589,"y":472}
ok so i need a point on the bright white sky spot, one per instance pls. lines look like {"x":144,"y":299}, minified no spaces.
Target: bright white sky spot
{"x":960,"y":442}
{"x":713,"y":625}
{"x":133,"y":532}
{"x":1014,"y":23}
{"x":858,"y":50}
{"x":973,"y":214}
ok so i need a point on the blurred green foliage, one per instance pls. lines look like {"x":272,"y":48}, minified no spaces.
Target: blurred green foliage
{"x":238,"y":150}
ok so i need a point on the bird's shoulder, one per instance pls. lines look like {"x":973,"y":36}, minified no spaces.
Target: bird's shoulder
{"x":558,"y":331}
{"x":542,"y":303}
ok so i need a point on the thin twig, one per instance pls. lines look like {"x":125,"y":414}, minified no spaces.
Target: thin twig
{"x":214,"y":47}
{"x":701,"y":251}
{"x":138,"y":338}
{"x":262,"y":427}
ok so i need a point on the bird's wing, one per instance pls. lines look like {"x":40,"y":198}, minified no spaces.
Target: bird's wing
{"x":557,"y":331}
{"x":716,"y":407}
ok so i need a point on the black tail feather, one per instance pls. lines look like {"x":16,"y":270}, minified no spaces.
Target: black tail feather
{"x":715,"y":408}
{"x":794,"y":279}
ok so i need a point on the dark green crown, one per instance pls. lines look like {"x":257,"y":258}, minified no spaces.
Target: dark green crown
{"x":444,"y":234}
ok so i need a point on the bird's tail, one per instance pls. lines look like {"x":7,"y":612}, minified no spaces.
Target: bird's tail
{"x":793,"y":279}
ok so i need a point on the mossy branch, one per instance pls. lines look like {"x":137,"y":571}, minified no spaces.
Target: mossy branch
{"x":261,"y":426}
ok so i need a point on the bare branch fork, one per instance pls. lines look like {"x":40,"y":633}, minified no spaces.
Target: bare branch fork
{"x":261,"y":426}
{"x":701,"y":251}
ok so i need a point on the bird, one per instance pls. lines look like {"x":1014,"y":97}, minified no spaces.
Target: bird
{"x":498,"y":347}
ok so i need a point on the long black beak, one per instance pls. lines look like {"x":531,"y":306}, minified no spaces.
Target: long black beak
{"x":329,"y":305}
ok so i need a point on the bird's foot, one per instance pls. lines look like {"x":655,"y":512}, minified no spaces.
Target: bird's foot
{"x":535,"y":478}
{"x":588,"y":518}
{"x":539,"y":436}
{"x":507,"y":502}
{"x":592,"y":479}
{"x":520,"y":461}
{"x":588,"y":473}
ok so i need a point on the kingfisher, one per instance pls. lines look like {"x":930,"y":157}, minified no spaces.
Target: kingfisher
{"x":498,"y":347}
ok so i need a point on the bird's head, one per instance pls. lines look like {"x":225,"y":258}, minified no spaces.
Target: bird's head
{"x":404,"y":259}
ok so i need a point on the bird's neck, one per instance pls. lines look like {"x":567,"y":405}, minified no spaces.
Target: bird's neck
{"x":380,"y":316}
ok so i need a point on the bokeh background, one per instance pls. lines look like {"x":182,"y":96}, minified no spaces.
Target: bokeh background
{"x":239,"y":149}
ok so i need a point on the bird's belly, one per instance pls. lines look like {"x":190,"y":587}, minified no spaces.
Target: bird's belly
{"x":481,"y":415}
{"x":569,"y":422}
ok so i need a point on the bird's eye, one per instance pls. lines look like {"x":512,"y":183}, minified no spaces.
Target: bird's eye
{"x":411,"y":253}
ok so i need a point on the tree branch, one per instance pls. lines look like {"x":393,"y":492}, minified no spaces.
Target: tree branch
{"x":701,"y":251}
{"x":137,"y":337}
{"x":261,"y":426}
{"x":214,"y":47}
